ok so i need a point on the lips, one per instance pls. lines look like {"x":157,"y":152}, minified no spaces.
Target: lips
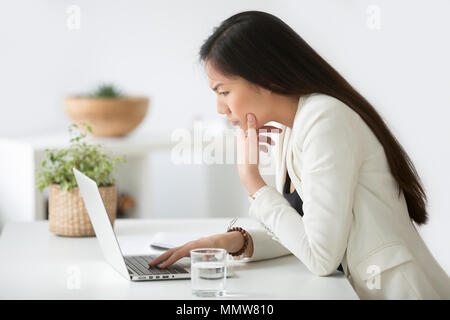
{"x":234,"y":122}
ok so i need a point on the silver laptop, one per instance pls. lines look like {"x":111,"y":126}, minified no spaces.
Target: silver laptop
{"x":133,"y":268}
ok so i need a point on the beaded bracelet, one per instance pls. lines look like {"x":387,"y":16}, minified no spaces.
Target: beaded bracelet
{"x":245,"y":235}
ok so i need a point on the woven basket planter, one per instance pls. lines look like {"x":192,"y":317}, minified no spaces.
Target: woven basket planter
{"x":68,"y":215}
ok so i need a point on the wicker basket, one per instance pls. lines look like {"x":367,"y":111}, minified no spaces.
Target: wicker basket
{"x":68,"y":215}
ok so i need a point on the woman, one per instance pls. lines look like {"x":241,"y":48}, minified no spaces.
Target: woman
{"x":347,"y":195}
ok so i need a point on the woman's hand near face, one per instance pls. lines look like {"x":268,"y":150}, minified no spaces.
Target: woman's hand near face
{"x":248,"y":152}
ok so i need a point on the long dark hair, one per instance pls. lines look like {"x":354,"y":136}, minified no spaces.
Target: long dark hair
{"x":265,"y":51}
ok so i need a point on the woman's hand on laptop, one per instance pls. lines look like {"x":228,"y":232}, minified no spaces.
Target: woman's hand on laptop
{"x":230,"y":241}
{"x":173,"y":255}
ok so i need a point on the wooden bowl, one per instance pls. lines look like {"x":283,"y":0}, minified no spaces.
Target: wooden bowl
{"x":108,"y":117}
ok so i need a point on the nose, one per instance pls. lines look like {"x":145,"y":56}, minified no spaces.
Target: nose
{"x":222,"y":108}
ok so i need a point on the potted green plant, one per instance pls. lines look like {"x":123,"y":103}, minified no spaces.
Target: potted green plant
{"x":108,"y":110}
{"x":67,"y":213}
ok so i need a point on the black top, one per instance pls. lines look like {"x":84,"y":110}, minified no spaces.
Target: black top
{"x":296,"y":202}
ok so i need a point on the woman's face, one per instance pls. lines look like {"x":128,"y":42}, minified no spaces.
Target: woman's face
{"x":236,"y":97}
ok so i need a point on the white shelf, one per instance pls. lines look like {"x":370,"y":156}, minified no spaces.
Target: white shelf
{"x":20,"y":200}
{"x":135,"y":143}
{"x":161,"y":188}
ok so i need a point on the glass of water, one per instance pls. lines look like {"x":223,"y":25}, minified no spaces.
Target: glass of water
{"x":208,"y":272}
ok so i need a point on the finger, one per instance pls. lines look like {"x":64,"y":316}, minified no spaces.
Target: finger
{"x":161,"y":258}
{"x":251,"y":121}
{"x":252,"y":139}
{"x":177,"y":255}
{"x":266,"y":139}
{"x":241,"y":147}
{"x":271,"y":129}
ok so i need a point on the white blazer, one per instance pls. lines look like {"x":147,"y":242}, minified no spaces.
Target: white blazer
{"x":352,"y":212}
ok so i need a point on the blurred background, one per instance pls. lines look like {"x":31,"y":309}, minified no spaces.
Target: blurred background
{"x":394,"y":52}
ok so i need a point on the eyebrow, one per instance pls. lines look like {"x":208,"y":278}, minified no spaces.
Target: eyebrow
{"x":217,"y":86}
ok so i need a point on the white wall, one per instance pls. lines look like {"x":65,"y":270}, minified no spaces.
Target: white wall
{"x":151,"y":47}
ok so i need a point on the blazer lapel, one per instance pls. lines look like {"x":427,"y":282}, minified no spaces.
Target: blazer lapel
{"x":285,"y":159}
{"x":280,"y":177}
{"x":292,"y":166}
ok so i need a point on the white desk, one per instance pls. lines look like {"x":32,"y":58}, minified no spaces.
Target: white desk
{"x":36,"y":264}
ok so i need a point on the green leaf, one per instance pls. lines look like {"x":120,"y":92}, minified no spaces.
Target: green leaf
{"x":90,"y":159}
{"x":106,"y":91}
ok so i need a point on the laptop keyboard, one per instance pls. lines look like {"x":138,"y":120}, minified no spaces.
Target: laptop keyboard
{"x":139,"y":264}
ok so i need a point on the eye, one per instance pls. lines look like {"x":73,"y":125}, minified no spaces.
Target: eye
{"x":224,"y":93}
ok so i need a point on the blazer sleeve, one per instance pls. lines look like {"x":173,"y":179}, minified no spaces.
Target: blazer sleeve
{"x":329,"y":173}
{"x":264,"y":245}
